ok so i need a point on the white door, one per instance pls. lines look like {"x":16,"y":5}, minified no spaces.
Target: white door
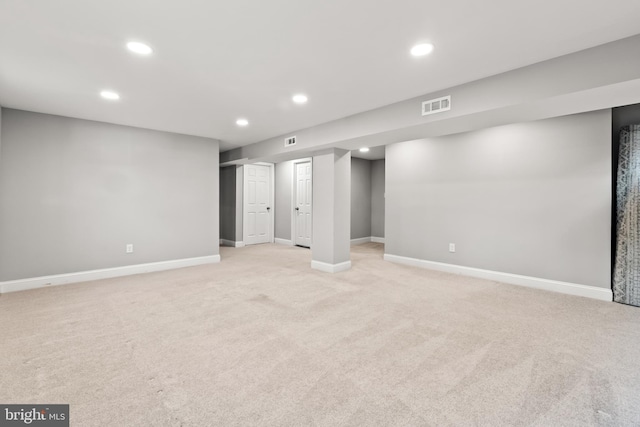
{"x":257,"y":208}
{"x":303,"y":204}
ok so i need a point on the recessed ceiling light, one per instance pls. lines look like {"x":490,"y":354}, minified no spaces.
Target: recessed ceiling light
{"x":422,"y":49}
{"x":364,"y":149}
{"x":242,"y":122}
{"x":300,"y":99}
{"x":140,"y":48}
{"x":109,"y":94}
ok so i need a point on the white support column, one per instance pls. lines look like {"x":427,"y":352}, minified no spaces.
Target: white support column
{"x":330,"y":249}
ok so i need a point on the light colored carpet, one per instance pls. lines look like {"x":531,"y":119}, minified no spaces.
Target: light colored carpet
{"x":261,"y":339}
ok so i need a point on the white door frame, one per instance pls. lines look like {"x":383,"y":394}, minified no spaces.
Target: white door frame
{"x":293,"y":196}
{"x":271,"y":200}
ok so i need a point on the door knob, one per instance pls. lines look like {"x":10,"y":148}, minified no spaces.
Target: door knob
{"x":297,"y":209}
{"x":268,"y":208}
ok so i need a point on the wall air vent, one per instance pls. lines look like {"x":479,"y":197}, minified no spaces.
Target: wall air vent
{"x":437,"y":105}
{"x":288,"y":142}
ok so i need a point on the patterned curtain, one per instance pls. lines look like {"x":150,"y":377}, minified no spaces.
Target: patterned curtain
{"x":626,"y":274}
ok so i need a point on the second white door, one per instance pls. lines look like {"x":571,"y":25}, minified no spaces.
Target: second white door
{"x":257,"y":204}
{"x":303,"y":207}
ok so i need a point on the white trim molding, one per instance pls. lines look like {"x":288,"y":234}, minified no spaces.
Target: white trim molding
{"x":283,"y":242}
{"x":225,"y":242}
{"x":331,"y":268}
{"x":513,"y":279}
{"x":363,"y":240}
{"x":360,"y":241}
{"x":106,"y":273}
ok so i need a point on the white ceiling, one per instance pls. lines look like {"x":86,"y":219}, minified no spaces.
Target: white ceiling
{"x":374,"y":153}
{"x":215,"y":61}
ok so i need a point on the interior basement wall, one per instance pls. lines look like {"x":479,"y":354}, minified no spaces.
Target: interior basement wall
{"x":0,"y":146}
{"x":74,"y":193}
{"x":360,"y":198}
{"x":531,"y":199}
{"x":283,"y":208}
{"x":377,"y":198}
{"x":228,"y":203}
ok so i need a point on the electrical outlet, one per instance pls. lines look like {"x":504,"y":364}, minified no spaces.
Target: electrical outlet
{"x":452,"y":247}
{"x":129,"y":248}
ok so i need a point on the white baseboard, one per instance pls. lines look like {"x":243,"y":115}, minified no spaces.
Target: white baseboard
{"x":225,"y":242}
{"x":360,"y":241}
{"x":331,"y":268}
{"x":283,"y":242}
{"x":513,"y":279}
{"x":85,"y":276}
{"x":363,"y":240}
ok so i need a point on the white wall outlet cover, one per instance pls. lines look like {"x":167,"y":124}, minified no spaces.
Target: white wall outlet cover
{"x":129,"y":248}
{"x":452,"y":247}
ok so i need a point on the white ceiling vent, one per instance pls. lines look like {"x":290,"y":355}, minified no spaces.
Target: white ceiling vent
{"x":288,"y":142}
{"x":437,"y":105}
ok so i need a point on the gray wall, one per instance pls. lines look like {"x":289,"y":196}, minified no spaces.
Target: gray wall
{"x":0,"y":150}
{"x":73,"y":193}
{"x":360,"y":198}
{"x":228,"y":203}
{"x":529,"y":198}
{"x":283,"y":210}
{"x":377,"y":198}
